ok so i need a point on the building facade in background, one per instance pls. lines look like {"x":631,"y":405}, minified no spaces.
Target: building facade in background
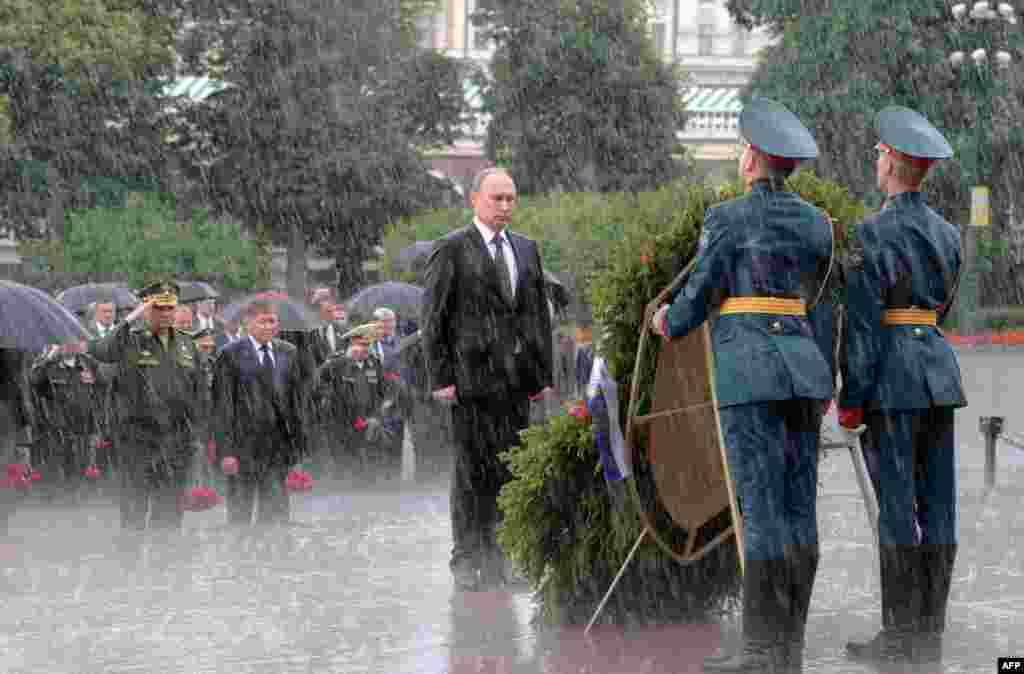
{"x":718,"y":55}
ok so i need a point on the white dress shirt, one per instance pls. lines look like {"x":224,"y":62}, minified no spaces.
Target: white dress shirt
{"x":102,"y":330}
{"x":332,"y":337}
{"x":259,"y":351}
{"x":510,"y":255}
{"x":205,"y":322}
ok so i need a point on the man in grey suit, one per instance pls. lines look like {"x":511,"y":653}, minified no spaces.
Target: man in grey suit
{"x":486,"y":333}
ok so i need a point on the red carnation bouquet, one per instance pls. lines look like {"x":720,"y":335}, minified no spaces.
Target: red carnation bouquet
{"x":198,"y":499}
{"x":299,"y":480}
{"x":19,"y":477}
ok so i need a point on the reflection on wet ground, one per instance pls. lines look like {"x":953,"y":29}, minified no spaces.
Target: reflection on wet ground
{"x":359,"y":583}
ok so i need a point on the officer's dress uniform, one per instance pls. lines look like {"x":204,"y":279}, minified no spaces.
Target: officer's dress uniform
{"x":905,"y":377}
{"x":66,"y":387}
{"x":347,"y":391}
{"x":762,"y":261}
{"x":158,"y":395}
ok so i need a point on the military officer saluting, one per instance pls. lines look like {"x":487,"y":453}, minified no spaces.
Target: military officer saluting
{"x":157,"y":398}
{"x":762,"y":261}
{"x":902,"y":379}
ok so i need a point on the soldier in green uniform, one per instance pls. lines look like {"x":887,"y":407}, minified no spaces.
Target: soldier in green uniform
{"x":66,"y":388}
{"x":351,"y":391}
{"x":762,"y":263}
{"x":902,"y":380}
{"x":157,"y":398}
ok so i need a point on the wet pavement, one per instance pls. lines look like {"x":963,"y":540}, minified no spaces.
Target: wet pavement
{"x":359,"y":583}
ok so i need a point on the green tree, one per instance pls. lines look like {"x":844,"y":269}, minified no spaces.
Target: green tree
{"x":148,"y":242}
{"x":580,"y":99}
{"x":837,"y":63}
{"x":317,"y":138}
{"x":77,"y":111}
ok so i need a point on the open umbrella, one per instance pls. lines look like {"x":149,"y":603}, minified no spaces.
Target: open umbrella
{"x":196,"y":291}
{"x":76,"y":299}
{"x":31,"y":320}
{"x":414,"y":257}
{"x":404,"y":299}
{"x":292,"y":313}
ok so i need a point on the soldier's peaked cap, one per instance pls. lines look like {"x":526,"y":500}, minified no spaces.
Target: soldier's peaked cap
{"x":163,"y":293}
{"x":910,"y":133}
{"x":773,"y":129}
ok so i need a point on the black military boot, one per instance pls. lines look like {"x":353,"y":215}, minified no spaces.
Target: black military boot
{"x":901,"y":580}
{"x":937,"y":571}
{"x":766,"y":609}
{"x":803,"y":567}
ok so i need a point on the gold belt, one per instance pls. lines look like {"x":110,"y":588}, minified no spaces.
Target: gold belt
{"x":776,"y":306}
{"x":909,"y":317}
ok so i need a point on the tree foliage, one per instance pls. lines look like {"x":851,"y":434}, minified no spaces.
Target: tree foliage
{"x":580,"y":99}
{"x":147,"y":242}
{"x":319,"y":131}
{"x":838,"y":63}
{"x":77,"y":79}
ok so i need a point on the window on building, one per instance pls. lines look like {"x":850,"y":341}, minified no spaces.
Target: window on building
{"x":740,"y":40}
{"x":705,"y":39}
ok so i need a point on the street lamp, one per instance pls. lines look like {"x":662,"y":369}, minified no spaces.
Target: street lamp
{"x":987,"y":19}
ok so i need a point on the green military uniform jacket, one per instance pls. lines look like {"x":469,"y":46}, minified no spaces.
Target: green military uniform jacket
{"x":157,"y":386}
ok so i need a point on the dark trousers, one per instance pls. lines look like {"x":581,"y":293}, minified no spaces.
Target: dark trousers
{"x":273,"y":504}
{"x":482,"y":429}
{"x":773,"y":458}
{"x":916,"y":467}
{"x":153,"y":471}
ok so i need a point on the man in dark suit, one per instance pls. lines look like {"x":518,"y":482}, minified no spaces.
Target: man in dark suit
{"x":258,"y":401}
{"x":487,"y":338}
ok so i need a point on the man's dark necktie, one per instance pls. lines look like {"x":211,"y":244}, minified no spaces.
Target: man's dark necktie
{"x":504,"y":273}
{"x":267,"y":365}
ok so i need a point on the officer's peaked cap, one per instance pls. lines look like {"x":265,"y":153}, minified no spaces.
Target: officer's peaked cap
{"x":909,"y":132}
{"x":774,"y":130}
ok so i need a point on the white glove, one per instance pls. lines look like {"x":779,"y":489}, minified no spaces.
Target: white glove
{"x":851,"y":436}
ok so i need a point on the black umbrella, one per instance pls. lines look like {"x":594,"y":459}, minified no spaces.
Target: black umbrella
{"x":196,"y":291}
{"x":78,"y":298}
{"x":31,"y":320}
{"x":414,"y":257}
{"x":404,"y":299}
{"x":293,"y":314}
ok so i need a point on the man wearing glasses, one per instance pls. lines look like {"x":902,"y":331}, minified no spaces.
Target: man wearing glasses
{"x":902,"y":380}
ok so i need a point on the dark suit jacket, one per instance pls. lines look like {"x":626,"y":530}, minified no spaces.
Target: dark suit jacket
{"x":472,"y":336}
{"x":254,"y":422}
